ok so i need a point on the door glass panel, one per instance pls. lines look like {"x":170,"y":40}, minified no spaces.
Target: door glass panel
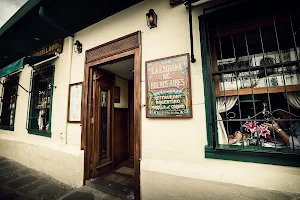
{"x":104,"y":123}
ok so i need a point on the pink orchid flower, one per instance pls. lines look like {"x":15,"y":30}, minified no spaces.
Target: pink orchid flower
{"x":263,"y":131}
{"x":250,"y":126}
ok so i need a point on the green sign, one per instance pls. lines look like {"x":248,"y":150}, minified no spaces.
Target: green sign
{"x":13,"y":67}
{"x":168,"y":87}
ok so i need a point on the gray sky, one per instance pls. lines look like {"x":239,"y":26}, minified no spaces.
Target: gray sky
{"x":8,"y":8}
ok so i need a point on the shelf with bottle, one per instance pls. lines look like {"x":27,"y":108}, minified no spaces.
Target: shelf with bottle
{"x":43,"y":103}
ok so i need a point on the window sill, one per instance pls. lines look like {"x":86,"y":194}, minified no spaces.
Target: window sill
{"x":40,"y":133}
{"x":7,"y":128}
{"x":246,"y":155}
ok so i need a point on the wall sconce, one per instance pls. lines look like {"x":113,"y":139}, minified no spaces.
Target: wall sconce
{"x":77,"y":47}
{"x":151,"y":18}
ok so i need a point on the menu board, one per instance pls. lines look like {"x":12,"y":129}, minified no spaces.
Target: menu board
{"x":75,"y":92}
{"x":168,"y":87}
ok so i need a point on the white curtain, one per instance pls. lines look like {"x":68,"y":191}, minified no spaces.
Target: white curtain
{"x":223,"y":105}
{"x":293,"y":99}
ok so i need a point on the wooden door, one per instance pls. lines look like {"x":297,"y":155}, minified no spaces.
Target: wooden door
{"x":102,"y":123}
{"x":120,"y":136}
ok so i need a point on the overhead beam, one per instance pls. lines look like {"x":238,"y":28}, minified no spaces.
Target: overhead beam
{"x":51,"y":22}
{"x":18,"y":15}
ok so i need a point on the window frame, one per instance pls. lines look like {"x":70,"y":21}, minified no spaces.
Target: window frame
{"x":32,"y":104}
{"x":15,"y":76}
{"x":211,"y":149}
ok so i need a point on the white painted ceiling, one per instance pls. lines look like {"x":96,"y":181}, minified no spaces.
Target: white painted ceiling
{"x":123,"y":68}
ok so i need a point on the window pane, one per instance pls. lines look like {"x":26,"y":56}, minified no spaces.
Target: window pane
{"x":266,"y":43}
{"x":41,"y":99}
{"x":261,"y":118}
{"x":9,"y":99}
{"x":257,"y":82}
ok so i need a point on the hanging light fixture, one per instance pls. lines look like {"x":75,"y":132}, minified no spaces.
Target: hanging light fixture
{"x":151,"y":18}
{"x":77,"y":47}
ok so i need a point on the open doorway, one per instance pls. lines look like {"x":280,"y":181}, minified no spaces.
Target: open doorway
{"x":113,"y":142}
{"x":111,"y":123}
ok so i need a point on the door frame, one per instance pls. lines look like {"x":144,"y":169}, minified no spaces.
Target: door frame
{"x":116,"y":49}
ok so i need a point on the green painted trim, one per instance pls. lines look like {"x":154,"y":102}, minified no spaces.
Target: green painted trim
{"x":254,"y":157}
{"x":257,"y":148}
{"x":206,"y":67}
{"x":40,"y":133}
{"x":50,"y":109}
{"x":31,"y":93}
{"x":7,"y":128}
{"x":18,"y":15}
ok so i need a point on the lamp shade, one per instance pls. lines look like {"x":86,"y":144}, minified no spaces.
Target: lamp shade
{"x":151,"y":18}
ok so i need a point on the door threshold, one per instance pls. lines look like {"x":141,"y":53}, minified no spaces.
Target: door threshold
{"x":121,"y":174}
{"x":111,"y":188}
{"x":104,"y":164}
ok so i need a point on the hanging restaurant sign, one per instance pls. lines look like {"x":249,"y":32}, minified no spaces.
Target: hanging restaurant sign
{"x":54,"y":47}
{"x":168,"y":87}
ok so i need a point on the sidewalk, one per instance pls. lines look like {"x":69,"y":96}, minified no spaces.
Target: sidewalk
{"x":21,"y":183}
{"x":18,"y":182}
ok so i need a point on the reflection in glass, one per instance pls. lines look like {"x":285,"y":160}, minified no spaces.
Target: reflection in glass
{"x":103,"y":124}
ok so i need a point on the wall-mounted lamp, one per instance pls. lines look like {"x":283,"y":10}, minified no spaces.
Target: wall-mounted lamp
{"x":77,"y":47}
{"x":151,"y":18}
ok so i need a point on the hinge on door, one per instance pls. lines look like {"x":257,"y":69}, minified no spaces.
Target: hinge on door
{"x":92,"y":120}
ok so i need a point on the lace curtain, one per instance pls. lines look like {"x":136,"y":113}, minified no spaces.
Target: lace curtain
{"x":222,"y":105}
{"x":293,"y":99}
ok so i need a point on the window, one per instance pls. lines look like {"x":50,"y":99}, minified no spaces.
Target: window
{"x":41,"y":100}
{"x":8,"y":102}
{"x":253,"y":78}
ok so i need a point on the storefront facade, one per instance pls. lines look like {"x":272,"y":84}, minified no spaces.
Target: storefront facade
{"x":168,"y":152}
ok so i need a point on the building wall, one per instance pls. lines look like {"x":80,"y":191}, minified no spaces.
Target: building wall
{"x":176,"y":146}
{"x":53,"y":156}
{"x":123,"y":84}
{"x":169,"y":146}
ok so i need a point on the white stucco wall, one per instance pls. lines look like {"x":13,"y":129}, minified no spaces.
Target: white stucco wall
{"x":176,"y":146}
{"x":123,"y":84}
{"x":53,"y":155}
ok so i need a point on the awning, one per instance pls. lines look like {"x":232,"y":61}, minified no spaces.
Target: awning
{"x":19,"y":64}
{"x":13,"y":67}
